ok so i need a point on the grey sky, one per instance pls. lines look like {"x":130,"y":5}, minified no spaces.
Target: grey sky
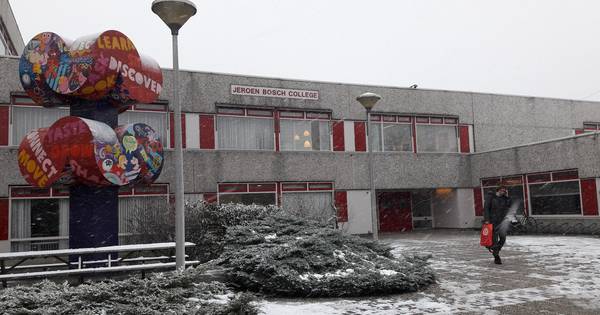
{"x":542,"y":48}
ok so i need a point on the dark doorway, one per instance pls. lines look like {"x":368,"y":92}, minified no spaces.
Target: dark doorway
{"x":395,"y":214}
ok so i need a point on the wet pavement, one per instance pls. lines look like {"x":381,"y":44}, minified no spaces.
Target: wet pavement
{"x":539,"y":275}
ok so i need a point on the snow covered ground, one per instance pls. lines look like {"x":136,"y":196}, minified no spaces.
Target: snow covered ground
{"x":540,"y":274}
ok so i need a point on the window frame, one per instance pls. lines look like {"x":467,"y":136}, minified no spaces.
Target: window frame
{"x":244,"y":113}
{"x":443,"y":124}
{"x":527,"y":190}
{"x":247,"y":190}
{"x":302,"y":115}
{"x":578,"y":180}
{"x":379,"y":120}
{"x":58,"y":193}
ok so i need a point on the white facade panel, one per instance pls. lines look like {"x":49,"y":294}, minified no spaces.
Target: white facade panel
{"x":192,"y":131}
{"x":359,"y":212}
{"x":349,"y":136}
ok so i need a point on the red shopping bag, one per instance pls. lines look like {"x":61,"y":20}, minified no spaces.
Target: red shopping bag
{"x":487,"y":231}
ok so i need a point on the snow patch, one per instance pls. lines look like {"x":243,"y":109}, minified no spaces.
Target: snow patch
{"x":271,"y":237}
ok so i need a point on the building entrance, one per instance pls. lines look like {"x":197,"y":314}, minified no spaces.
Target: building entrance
{"x":395,"y":213}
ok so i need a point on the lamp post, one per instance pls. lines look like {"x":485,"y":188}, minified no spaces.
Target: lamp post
{"x":175,"y":13}
{"x":368,"y":101}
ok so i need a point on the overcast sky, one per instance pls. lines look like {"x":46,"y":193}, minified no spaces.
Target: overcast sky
{"x":541,"y":48}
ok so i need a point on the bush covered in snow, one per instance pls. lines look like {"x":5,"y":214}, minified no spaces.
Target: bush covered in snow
{"x":286,"y":256}
{"x":163,"y":293}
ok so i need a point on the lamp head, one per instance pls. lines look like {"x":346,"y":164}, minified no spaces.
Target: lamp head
{"x":174,"y":12}
{"x":368,"y":100}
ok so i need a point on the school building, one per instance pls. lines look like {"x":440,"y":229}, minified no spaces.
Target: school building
{"x":303,"y":145}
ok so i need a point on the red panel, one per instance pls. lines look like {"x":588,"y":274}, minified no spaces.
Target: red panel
{"x":338,"y":135}
{"x":451,"y":121}
{"x":320,"y":186}
{"x":566,"y":175}
{"x":4,"y":120}
{"x":395,"y":213}
{"x":513,"y":180}
{"x":360,"y":136}
{"x":318,"y":116}
{"x":478,"y":201}
{"x":589,"y":197}
{"x":210,"y":197}
{"x":233,"y":188}
{"x":261,"y":187}
{"x":207,"y":132}
{"x":151,"y":190}
{"x":172,"y":129}
{"x":294,"y":187}
{"x":463,"y":132}
{"x":28,"y":191}
{"x":436,"y":120}
{"x":3,"y":219}
{"x":490,"y":182}
{"x":579,"y":131}
{"x":341,"y":203}
{"x":538,"y":178}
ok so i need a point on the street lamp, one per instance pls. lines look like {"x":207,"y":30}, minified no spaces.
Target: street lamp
{"x":175,"y":13}
{"x":368,"y":101}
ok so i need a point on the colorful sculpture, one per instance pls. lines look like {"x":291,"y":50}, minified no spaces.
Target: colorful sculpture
{"x":98,"y":76}
{"x":92,"y":71}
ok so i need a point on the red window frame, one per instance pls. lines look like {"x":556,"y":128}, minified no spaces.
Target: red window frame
{"x":565,"y":175}
{"x":539,"y":178}
{"x":436,"y":120}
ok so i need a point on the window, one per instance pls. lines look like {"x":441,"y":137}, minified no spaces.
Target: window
{"x":392,"y":137}
{"x":156,"y":120}
{"x":26,"y":119}
{"x":39,"y":224}
{"x":591,"y":126}
{"x":309,"y":200}
{"x":259,"y":193}
{"x":312,"y":205}
{"x":514,"y":188}
{"x":555,"y":198}
{"x":437,"y":138}
{"x":139,"y":216}
{"x":245,"y":133}
{"x":44,"y":217}
{"x":305,"y":135}
{"x":515,"y":193}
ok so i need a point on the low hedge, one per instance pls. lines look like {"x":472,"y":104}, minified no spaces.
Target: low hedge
{"x":163,"y":293}
{"x":285,"y":256}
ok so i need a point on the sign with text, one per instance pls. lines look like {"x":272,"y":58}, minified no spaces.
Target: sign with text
{"x":274,"y":92}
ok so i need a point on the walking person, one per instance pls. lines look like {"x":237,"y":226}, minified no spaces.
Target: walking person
{"x":496,"y":208}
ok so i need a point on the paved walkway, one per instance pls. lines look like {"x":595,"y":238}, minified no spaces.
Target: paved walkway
{"x":540,"y":275}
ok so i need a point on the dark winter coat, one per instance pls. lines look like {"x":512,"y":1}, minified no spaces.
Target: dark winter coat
{"x":495,"y":208}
